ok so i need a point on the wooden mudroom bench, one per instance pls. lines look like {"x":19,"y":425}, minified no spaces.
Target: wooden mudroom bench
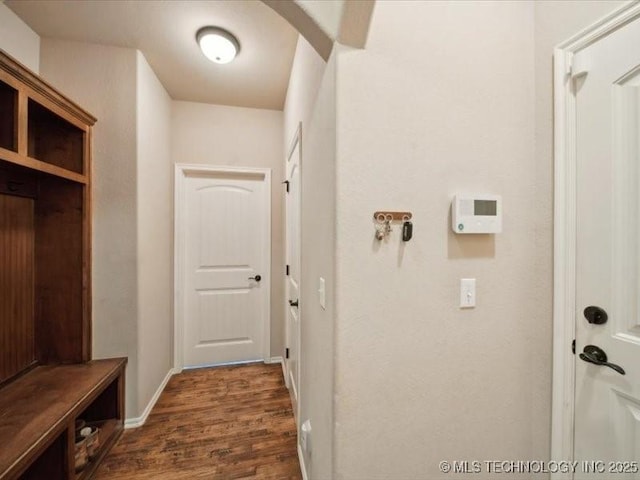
{"x":38,"y":412}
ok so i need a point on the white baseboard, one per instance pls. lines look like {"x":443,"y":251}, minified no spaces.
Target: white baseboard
{"x":139,"y":421}
{"x":303,"y":467}
{"x":279,"y":360}
{"x":273,"y":360}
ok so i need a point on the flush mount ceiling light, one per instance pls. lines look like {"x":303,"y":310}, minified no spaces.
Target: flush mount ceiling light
{"x":217,"y":44}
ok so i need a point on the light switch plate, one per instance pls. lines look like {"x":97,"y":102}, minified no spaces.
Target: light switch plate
{"x":467,"y":292}
{"x":322,"y":296}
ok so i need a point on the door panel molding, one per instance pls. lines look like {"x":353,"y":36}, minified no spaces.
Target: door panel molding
{"x":565,"y":188}
{"x":182,"y":172}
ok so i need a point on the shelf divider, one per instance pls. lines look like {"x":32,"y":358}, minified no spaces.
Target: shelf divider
{"x":22,"y":121}
{"x":40,"y":166}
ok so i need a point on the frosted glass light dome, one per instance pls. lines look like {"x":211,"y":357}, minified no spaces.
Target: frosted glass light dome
{"x":217,"y":44}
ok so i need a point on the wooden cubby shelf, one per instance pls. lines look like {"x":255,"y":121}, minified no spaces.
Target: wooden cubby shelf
{"x":39,"y":166}
{"x":53,"y":140}
{"x":40,"y":128}
{"x":48,"y":379}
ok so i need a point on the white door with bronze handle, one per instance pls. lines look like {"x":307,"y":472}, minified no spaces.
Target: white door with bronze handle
{"x":607,"y":347}
{"x":226,"y":291}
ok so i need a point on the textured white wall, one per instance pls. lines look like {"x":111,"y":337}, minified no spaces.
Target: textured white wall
{"x":311,"y":100}
{"x":306,"y":75}
{"x":248,"y":137}
{"x":155,"y":233}
{"x":448,"y":97}
{"x":440,"y":102}
{"x":103,"y":80}
{"x":18,"y":40}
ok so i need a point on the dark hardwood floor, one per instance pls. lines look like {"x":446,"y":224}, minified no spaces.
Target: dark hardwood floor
{"x":214,"y":423}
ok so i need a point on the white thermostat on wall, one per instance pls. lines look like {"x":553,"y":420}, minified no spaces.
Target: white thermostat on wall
{"x":476,"y":214}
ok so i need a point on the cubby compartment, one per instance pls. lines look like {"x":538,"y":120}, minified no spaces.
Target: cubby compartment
{"x":62,"y":328}
{"x":44,"y":316}
{"x":104,"y":407}
{"x":54,"y":140}
{"x":103,"y":414}
{"x":51,"y":464}
{"x":17,"y":268}
{"x":8,"y":116}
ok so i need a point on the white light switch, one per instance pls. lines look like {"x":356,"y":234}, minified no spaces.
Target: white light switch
{"x":322,"y":294}
{"x":467,"y":292}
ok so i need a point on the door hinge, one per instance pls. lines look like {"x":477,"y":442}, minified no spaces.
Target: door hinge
{"x":573,"y":346}
{"x":578,"y":66}
{"x":286,"y":182}
{"x":286,"y":353}
{"x":287,"y":270}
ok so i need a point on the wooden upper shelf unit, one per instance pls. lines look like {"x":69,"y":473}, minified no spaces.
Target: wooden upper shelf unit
{"x":40,"y":128}
{"x":45,"y":221}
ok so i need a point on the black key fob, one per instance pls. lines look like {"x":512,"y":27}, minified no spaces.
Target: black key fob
{"x":407,"y":231}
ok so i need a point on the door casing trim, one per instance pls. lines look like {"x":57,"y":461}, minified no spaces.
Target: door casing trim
{"x":564,"y":222}
{"x":182,"y":170}
{"x":295,"y":141}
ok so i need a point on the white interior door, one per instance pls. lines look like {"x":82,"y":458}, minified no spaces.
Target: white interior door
{"x":293,"y":278}
{"x":225,"y":216}
{"x":607,"y":403}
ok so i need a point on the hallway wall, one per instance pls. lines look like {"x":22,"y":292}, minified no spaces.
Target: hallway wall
{"x":155,"y":231}
{"x":440,"y":102}
{"x":448,"y":97}
{"x":311,"y":100}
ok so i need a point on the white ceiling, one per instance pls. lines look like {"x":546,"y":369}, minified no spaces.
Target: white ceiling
{"x":165,"y":33}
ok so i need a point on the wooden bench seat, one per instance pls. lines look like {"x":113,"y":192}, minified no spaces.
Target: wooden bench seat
{"x":38,"y":413}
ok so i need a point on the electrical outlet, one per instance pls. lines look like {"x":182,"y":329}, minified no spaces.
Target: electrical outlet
{"x":305,"y":437}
